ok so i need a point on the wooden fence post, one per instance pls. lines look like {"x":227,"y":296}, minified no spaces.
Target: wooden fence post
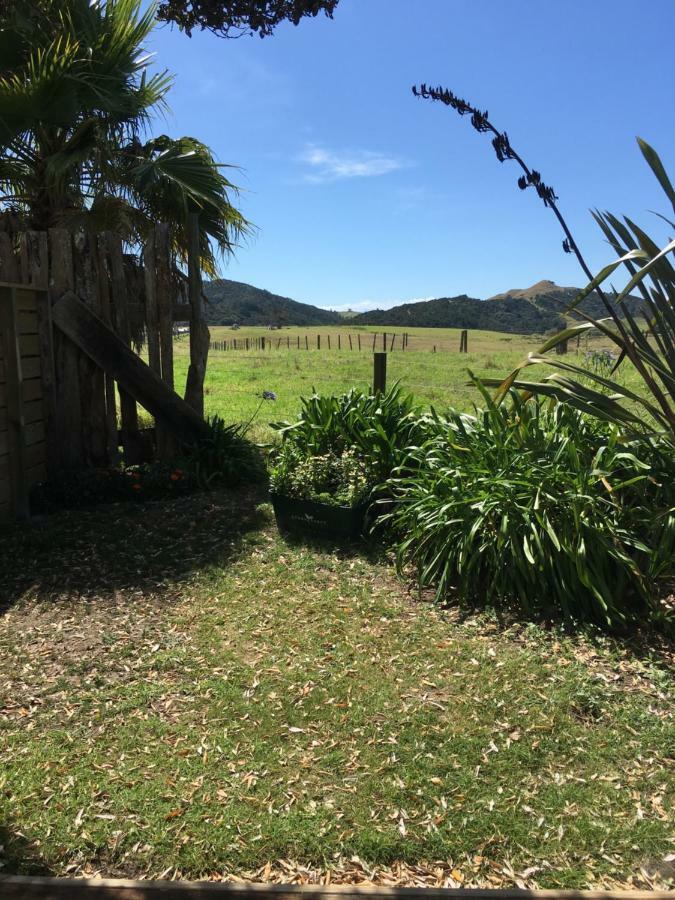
{"x":464,"y":341}
{"x":379,"y":373}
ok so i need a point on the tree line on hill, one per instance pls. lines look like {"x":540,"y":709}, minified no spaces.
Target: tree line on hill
{"x":533,"y":310}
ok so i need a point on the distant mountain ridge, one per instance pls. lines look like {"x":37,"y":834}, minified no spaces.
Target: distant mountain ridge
{"x":234,"y":302}
{"x":536,"y":309}
{"x":548,"y":295}
{"x":539,"y":308}
{"x":511,"y":314}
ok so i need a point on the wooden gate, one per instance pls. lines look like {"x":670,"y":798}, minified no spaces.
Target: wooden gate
{"x":72,"y":306}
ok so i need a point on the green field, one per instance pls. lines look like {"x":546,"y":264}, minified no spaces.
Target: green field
{"x":236,"y":378}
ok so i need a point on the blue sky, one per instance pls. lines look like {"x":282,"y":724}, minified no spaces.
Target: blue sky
{"x":364,"y":196}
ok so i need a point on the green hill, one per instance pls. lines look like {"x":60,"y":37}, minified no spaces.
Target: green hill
{"x":229,"y":302}
{"x":514,"y":315}
{"x":536,"y":309}
{"x":551,"y":297}
{"x":532,"y":310}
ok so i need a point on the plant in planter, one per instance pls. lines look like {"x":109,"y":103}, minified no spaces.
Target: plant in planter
{"x":333,"y":456}
{"x":327,"y":494}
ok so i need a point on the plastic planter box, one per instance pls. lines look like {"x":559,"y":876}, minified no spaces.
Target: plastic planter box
{"x":311,"y":518}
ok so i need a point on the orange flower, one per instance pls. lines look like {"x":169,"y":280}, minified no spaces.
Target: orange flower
{"x":136,"y":486}
{"x":176,"y":476}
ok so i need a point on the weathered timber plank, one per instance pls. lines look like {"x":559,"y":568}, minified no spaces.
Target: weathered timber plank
{"x":3,"y":418}
{"x":27,"y":321}
{"x":9,"y":264}
{"x":46,"y":370}
{"x":13,"y":388}
{"x":35,"y":474}
{"x":33,"y":434}
{"x":104,"y":288}
{"x":17,"y":887}
{"x":31,"y":368}
{"x":27,"y":300}
{"x":5,"y":512}
{"x":34,"y":259}
{"x":92,"y":379}
{"x":131,"y":440}
{"x":67,"y":386}
{"x":109,"y":352}
{"x":4,"y":443}
{"x":29,"y":344}
{"x":32,"y":412}
{"x":35,"y":455}
{"x":32,"y":389}
{"x":35,"y":271}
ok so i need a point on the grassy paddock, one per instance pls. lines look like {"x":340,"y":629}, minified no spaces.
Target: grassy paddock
{"x":235,"y":379}
{"x":184,"y":694}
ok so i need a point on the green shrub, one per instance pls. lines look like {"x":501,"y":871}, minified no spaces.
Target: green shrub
{"x":376,"y":427}
{"x":538,"y":506}
{"x":225,"y":457}
{"x":341,"y":480}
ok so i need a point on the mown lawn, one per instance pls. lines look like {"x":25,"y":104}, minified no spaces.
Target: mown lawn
{"x":182,"y":693}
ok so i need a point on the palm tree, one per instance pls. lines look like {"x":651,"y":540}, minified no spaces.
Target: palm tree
{"x":76,"y":99}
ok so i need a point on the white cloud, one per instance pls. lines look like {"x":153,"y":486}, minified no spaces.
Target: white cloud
{"x":327,"y":165}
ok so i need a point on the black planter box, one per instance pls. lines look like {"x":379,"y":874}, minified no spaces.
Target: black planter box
{"x":310,"y":518}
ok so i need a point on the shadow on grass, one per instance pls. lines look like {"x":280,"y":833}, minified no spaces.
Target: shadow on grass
{"x":18,"y":856}
{"x":367,"y":548}
{"x":93,"y":554}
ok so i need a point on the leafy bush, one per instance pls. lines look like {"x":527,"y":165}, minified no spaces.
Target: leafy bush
{"x":225,"y":458}
{"x":340,"y":480}
{"x":539,"y":506}
{"x":376,"y":427}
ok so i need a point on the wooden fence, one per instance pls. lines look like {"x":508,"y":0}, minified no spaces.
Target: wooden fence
{"x":71,"y":309}
{"x":371,"y":342}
